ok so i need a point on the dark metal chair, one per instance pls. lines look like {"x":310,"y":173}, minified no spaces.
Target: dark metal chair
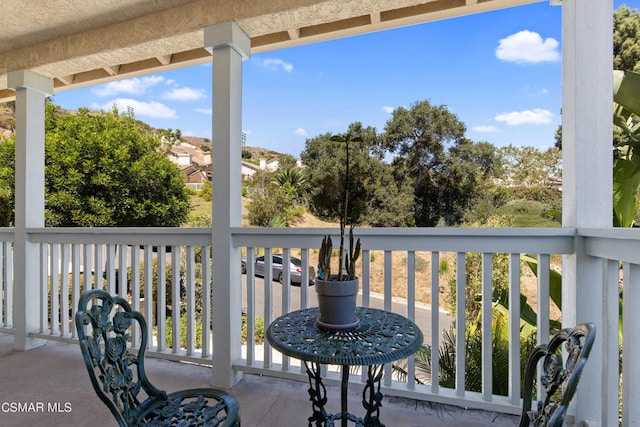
{"x":104,"y":326}
{"x":559,"y":380}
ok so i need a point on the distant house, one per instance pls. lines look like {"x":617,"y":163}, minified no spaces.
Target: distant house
{"x":194,"y":177}
{"x":186,"y":154}
{"x":249,"y":169}
{"x":194,"y":163}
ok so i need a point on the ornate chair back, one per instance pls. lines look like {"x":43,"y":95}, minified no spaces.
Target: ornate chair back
{"x":104,"y":325}
{"x":559,"y":380}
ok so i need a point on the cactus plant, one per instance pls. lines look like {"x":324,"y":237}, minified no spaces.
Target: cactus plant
{"x":346,"y":262}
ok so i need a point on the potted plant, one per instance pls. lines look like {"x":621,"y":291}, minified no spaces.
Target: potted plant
{"x":337,"y":292}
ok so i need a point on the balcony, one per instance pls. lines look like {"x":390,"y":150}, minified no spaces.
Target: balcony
{"x":72,"y":260}
{"x":43,"y":271}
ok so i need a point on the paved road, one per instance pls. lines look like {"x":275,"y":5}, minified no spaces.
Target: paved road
{"x":423,"y":312}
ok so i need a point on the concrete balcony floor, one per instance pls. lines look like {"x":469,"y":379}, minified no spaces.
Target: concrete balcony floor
{"x":55,"y":376}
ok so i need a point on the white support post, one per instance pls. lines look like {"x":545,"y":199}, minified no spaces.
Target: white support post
{"x":31,"y":92}
{"x":587,"y":59}
{"x":229,"y":47}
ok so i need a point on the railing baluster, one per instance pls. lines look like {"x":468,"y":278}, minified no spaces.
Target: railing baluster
{"x":631,"y":345}
{"x":461,"y":326}
{"x":250,"y":279}
{"x":365,"y":279}
{"x":435,"y":322}
{"x":304,"y":284}
{"x":64,"y":291}
{"x":150,"y":314}
{"x":44,"y":288}
{"x":97,"y":267}
{"x":135,"y":290}
{"x":190,"y":283}
{"x":161,"y":309}
{"x":54,"y":285}
{"x":206,"y":301}
{"x":268,"y":302}
{"x":514,"y":329}
{"x":75,"y":284}
{"x":7,"y":288}
{"x":176,"y":293}
{"x":286,"y":297}
{"x":487,"y":323}
{"x":87,"y":266}
{"x":388,"y":280}
{"x":610,"y":341}
{"x":411,"y":313}
{"x":122,"y":273}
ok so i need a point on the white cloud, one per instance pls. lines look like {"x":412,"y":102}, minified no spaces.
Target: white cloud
{"x":537,"y":116}
{"x":528,"y":47}
{"x":134,"y":86}
{"x":277,"y":64}
{"x":387,"y":109}
{"x":300,"y":131}
{"x":207,"y":111}
{"x":486,"y":129}
{"x":184,"y":94}
{"x":140,"y":108}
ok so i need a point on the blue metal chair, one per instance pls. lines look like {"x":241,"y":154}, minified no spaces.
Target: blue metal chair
{"x":104,"y":327}
{"x":559,"y":380}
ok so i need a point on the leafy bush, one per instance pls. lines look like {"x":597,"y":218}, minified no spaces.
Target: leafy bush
{"x":273,"y":204}
{"x":183,"y":332}
{"x":205,"y":191}
{"x":259,"y":330}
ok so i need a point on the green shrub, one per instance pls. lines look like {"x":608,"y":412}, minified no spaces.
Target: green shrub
{"x":259,"y":330}
{"x":183,"y":332}
{"x":443,"y":266}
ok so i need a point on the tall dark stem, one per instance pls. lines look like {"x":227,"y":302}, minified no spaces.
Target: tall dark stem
{"x":343,"y":221}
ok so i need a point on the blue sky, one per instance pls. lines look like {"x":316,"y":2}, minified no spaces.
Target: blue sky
{"x":499,"y":72}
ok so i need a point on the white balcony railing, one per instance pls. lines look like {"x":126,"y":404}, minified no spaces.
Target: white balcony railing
{"x":142,"y":259}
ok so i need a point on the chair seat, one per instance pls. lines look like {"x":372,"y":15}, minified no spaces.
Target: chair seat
{"x":195,"y":407}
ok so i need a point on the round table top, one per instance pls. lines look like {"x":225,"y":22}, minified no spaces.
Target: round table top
{"x":380,"y":337}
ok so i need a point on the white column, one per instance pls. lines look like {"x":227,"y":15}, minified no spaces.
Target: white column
{"x":587,"y":112}
{"x":229,"y":47}
{"x":31,"y":91}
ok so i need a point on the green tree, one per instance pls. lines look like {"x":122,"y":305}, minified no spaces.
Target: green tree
{"x":392,"y":202}
{"x":7,"y":161}
{"x":449,"y":171}
{"x":529,"y":167}
{"x":377,"y":195}
{"x":103,"y":169}
{"x":626,"y":39}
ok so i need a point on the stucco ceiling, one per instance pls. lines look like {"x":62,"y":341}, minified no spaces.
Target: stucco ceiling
{"x":85,"y":42}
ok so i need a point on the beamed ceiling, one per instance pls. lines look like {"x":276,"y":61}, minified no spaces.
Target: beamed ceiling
{"x":85,"y":42}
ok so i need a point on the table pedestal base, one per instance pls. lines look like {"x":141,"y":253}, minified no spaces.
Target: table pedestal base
{"x":371,"y":398}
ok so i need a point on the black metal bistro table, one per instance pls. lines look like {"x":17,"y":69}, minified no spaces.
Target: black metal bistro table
{"x":380,"y":337}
